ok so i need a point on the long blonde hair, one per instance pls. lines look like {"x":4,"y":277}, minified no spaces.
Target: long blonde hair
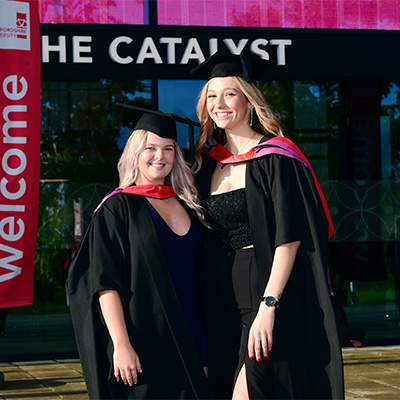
{"x":180,"y":177}
{"x":265,"y":122}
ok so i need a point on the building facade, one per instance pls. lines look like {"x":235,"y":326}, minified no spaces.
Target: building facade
{"x":336,"y":89}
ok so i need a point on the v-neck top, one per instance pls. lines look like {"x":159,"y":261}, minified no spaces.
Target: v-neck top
{"x":180,"y":253}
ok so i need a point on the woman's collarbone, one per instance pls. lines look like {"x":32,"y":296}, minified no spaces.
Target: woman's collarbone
{"x":226,"y":181}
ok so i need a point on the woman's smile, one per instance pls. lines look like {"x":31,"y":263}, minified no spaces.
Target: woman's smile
{"x":155,"y":160}
{"x":226,"y":104}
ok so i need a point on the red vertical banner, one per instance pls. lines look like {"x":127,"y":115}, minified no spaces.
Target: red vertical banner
{"x":19,"y":149}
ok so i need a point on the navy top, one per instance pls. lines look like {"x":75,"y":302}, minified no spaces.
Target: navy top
{"x":180,"y":253}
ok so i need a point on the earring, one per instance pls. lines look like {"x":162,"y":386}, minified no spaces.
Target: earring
{"x":251,"y":116}
{"x":215,"y":126}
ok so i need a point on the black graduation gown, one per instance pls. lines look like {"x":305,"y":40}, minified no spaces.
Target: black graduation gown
{"x":283,"y":206}
{"x":120,"y":251}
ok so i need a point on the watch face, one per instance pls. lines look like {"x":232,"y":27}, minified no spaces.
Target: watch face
{"x":270,"y":301}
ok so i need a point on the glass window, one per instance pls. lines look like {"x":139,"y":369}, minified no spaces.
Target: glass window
{"x":180,"y":97}
{"x":83,"y":130}
{"x":350,"y":133}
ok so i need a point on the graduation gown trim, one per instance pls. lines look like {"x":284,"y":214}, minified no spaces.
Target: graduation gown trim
{"x":275,"y":145}
{"x":155,"y":191}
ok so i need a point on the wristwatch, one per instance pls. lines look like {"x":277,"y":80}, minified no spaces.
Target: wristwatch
{"x":271,"y":301}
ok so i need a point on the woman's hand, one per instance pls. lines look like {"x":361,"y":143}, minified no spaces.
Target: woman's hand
{"x":261,"y":332}
{"x":126,"y":364}
{"x":126,"y":361}
{"x":260,"y":336}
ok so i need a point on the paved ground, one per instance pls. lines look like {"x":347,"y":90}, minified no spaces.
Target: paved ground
{"x":50,"y":380}
{"x":370,"y":373}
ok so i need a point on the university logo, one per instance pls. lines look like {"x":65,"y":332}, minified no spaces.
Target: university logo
{"x":14,"y":25}
{"x":22,"y":24}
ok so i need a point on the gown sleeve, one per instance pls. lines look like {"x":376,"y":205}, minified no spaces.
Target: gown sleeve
{"x":98,"y":264}
{"x":297,"y":207}
{"x":109,"y":249}
{"x":101,"y":260}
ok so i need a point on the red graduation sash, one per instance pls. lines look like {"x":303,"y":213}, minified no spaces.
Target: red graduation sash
{"x":155,"y":191}
{"x":275,"y":145}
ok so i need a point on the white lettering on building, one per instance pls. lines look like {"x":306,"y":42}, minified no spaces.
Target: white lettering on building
{"x":60,"y":48}
{"x":151,"y":49}
{"x":78,"y":49}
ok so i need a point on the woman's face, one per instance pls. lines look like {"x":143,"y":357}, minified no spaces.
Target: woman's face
{"x":226,"y":104}
{"x":155,"y":161}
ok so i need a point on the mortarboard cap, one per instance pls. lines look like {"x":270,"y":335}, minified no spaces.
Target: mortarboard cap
{"x":162,"y":125}
{"x":222,"y":64}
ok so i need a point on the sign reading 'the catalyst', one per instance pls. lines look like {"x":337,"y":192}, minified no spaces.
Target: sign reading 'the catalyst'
{"x":136,"y":52}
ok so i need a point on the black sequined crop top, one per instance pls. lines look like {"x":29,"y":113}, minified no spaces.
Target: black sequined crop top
{"x":227,"y":214}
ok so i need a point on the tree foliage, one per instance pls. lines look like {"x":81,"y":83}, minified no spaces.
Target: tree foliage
{"x":82,"y":135}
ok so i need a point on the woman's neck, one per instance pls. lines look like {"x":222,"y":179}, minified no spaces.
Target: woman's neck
{"x":240,"y":142}
{"x":150,"y":183}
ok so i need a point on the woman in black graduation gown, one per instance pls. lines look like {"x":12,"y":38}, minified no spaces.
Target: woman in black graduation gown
{"x":133,"y":283}
{"x":272,"y":330}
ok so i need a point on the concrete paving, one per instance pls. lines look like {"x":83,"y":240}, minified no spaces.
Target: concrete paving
{"x":50,"y":380}
{"x":371,"y":373}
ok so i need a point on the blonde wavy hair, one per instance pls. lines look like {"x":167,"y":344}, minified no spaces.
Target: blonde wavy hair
{"x":265,"y":122}
{"x":180,"y":177}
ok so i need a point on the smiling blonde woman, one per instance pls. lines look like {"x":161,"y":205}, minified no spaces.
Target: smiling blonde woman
{"x":271,"y":326}
{"x":133,"y":283}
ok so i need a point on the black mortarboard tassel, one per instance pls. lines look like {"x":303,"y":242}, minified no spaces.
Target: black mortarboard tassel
{"x":221,"y":65}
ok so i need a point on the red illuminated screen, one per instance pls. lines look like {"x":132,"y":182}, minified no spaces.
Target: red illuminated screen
{"x":91,"y":11}
{"x":324,"y":14}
